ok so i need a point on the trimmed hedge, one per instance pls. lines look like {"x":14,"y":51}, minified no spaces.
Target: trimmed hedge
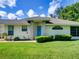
{"x":41,"y":39}
{"x":16,"y":39}
{"x":63,"y":37}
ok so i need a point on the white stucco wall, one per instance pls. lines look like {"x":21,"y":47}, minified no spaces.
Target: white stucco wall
{"x":29,"y":34}
{"x":32,"y":30}
{"x":66,"y":30}
{"x":35,"y":28}
{"x":49,"y":31}
{"x":75,"y":37}
{"x":19,"y":33}
{"x":2,"y":28}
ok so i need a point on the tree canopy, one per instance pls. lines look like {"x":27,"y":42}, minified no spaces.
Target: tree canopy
{"x":70,"y":12}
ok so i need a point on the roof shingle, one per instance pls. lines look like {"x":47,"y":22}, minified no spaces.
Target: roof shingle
{"x":51,"y":20}
{"x":64,"y":22}
{"x":14,"y":22}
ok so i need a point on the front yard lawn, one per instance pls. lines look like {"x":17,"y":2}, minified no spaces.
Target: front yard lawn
{"x":49,"y":50}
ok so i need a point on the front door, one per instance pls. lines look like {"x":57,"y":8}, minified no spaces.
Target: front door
{"x":38,"y":30}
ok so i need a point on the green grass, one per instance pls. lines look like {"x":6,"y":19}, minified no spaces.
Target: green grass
{"x":49,"y":50}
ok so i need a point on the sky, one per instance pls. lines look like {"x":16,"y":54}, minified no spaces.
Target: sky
{"x":18,"y":9}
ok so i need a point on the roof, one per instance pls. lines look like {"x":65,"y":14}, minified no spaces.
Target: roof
{"x":54,"y":21}
{"x":38,"y":18}
{"x":64,"y":22}
{"x":14,"y":22}
{"x":51,"y":20}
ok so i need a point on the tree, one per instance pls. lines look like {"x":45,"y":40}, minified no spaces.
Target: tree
{"x":56,"y":13}
{"x":70,"y":12}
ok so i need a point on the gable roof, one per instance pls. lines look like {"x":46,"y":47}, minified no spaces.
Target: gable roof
{"x":14,"y":22}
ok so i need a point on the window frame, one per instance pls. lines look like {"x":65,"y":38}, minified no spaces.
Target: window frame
{"x":57,"y":28}
{"x":10,"y":29}
{"x":74,"y":31}
{"x":24,"y":28}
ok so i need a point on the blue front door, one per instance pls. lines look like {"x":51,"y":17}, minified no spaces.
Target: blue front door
{"x":38,"y":30}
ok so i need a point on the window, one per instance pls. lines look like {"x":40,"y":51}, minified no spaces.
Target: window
{"x":57,"y":28}
{"x":24,"y":28}
{"x":10,"y":30}
{"x":75,"y":31}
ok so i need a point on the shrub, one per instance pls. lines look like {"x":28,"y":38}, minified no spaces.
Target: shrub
{"x":63,"y":37}
{"x":67,"y":37}
{"x":51,"y":38}
{"x":41,"y":39}
{"x":5,"y":35}
{"x":16,"y":39}
{"x":58,"y":37}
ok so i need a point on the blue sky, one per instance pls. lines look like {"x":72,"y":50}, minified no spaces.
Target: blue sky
{"x":12,"y":9}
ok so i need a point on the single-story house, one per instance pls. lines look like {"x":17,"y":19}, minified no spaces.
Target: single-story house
{"x":38,"y":26}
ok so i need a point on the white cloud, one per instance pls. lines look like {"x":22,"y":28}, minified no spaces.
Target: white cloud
{"x":42,"y":15}
{"x":11,"y":16}
{"x":3,"y":13}
{"x":16,"y":15}
{"x":31,"y":13}
{"x":10,"y":3}
{"x":20,"y":13}
{"x":40,"y":7}
{"x":53,"y":6}
{"x":19,"y":18}
{"x":2,"y":3}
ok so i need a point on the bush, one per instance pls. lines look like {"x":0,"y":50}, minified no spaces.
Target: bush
{"x":63,"y":37}
{"x":41,"y":39}
{"x":5,"y":35}
{"x":16,"y":39}
{"x":51,"y":38}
